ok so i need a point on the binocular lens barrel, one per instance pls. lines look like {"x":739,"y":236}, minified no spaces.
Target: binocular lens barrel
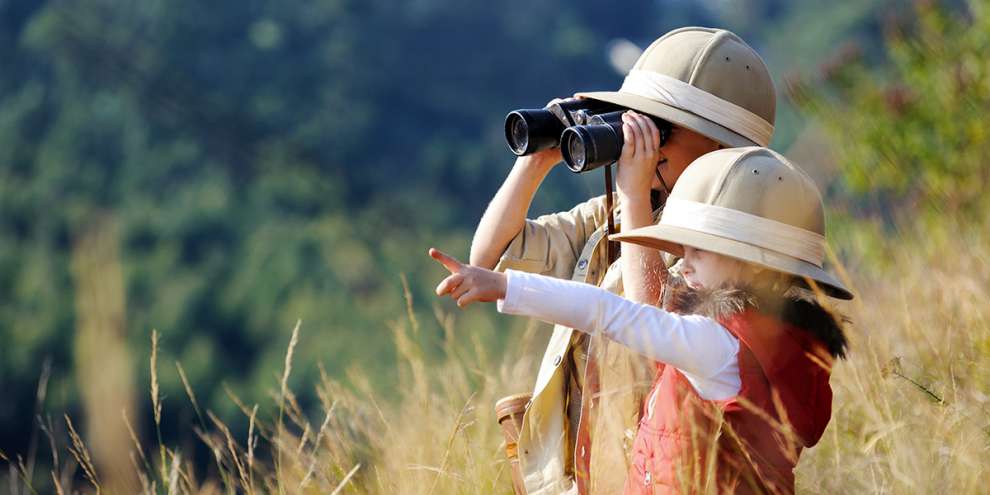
{"x":529,"y":131}
{"x":590,"y":146}
{"x":588,"y":132}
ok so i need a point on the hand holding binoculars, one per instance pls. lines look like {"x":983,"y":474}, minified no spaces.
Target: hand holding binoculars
{"x":588,"y":132}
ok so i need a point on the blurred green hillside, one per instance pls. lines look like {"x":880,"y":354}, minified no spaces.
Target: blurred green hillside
{"x":244,"y":165}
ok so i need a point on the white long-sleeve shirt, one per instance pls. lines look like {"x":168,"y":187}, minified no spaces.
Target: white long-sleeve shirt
{"x":701,"y":348}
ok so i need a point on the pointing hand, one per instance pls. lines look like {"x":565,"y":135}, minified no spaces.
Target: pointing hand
{"x":467,"y":284}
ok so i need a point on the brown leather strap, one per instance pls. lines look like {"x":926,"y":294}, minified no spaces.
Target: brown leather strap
{"x":611,"y":247}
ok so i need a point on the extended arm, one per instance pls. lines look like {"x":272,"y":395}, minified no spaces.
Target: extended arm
{"x":698,"y":346}
{"x":692,"y":343}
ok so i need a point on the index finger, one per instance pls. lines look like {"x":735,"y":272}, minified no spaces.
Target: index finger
{"x":449,"y":262}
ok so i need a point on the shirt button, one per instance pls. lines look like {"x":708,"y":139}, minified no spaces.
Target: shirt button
{"x":556,"y":361}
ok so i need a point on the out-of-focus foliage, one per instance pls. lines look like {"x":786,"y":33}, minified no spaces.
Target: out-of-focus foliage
{"x":262,"y":162}
{"x":911,"y":135}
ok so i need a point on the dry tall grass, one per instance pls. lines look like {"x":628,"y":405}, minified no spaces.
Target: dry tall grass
{"x":911,"y":410}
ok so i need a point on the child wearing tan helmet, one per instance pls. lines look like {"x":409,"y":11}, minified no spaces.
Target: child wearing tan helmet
{"x":743,"y":355}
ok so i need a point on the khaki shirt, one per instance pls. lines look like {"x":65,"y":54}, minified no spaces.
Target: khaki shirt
{"x":571,"y":245}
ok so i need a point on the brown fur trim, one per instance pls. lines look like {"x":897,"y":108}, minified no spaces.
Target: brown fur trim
{"x":722,"y":302}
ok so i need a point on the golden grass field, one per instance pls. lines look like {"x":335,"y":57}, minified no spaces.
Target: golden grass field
{"x":911,"y":410}
{"x":911,"y":407}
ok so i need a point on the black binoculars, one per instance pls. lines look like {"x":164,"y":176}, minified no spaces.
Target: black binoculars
{"x":588,"y":132}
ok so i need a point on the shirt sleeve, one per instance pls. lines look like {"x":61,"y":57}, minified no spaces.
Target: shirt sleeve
{"x":697,"y":345}
{"x":551,"y":244}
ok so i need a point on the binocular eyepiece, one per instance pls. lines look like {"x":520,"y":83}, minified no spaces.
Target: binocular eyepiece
{"x":589,"y":132}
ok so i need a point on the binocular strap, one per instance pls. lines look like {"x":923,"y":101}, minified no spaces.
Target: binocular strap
{"x":611,"y":247}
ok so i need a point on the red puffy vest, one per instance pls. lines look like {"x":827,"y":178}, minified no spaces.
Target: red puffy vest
{"x":749,"y":443}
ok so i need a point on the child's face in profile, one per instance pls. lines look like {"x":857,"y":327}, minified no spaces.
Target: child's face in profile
{"x":702,"y":269}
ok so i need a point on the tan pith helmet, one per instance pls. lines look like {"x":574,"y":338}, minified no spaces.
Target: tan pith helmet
{"x":749,"y":204}
{"x":707,"y":80}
